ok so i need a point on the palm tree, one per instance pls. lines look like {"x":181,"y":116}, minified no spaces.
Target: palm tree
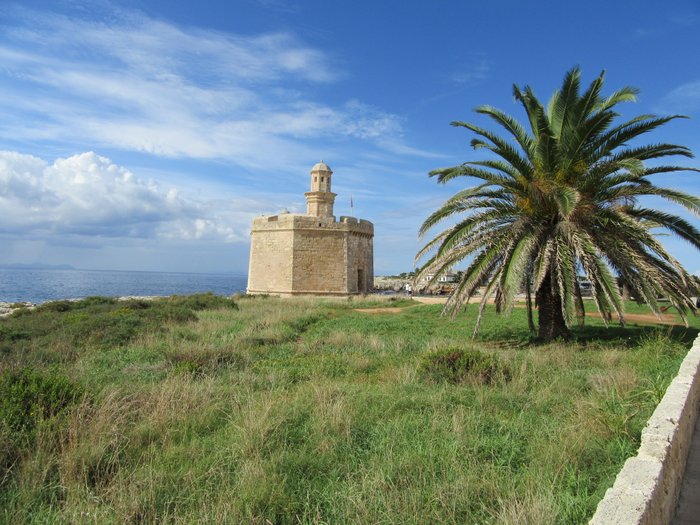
{"x":559,"y":197}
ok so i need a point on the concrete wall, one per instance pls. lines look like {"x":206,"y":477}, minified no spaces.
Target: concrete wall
{"x":646,"y":489}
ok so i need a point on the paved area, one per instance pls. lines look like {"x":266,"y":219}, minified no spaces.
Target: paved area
{"x":688,"y":510}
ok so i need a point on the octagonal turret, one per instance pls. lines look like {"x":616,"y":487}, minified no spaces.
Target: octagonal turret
{"x":319,"y":201}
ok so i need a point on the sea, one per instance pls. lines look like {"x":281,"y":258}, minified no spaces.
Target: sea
{"x":41,"y":285}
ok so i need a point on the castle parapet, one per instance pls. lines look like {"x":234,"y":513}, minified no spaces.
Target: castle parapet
{"x":293,"y":221}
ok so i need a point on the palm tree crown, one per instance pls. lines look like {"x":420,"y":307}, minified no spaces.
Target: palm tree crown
{"x":559,"y":197}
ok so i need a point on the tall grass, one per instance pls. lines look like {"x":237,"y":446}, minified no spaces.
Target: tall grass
{"x":310,"y":411}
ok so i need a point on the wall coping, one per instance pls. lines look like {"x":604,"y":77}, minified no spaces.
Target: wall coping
{"x":647,"y":488}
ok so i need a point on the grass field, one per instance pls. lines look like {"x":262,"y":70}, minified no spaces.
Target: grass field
{"x":262,"y":410}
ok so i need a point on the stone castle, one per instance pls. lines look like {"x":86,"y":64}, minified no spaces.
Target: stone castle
{"x":312,"y":254}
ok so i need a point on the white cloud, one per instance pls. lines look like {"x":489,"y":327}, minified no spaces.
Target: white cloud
{"x":139,"y":84}
{"x":153,"y":47}
{"x":88,"y":195}
{"x":366,"y":122}
{"x":476,"y":71}
{"x":684,"y":99}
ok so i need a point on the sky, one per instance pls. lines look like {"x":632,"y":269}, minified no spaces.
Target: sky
{"x":146,"y":135}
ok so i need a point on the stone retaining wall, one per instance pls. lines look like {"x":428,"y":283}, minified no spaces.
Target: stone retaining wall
{"x":646,"y":489}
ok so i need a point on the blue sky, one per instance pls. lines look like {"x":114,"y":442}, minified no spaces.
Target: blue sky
{"x":146,"y":135}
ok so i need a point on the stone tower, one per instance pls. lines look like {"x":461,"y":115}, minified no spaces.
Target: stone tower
{"x":312,"y":253}
{"x":319,"y":201}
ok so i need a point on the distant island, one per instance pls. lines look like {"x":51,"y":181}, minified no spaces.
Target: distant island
{"x":37,"y":266}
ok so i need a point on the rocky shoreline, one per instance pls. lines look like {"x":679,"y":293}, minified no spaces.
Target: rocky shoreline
{"x":7,"y":308}
{"x":381,"y":284}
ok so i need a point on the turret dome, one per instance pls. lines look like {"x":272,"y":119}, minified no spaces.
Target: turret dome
{"x":321,"y":166}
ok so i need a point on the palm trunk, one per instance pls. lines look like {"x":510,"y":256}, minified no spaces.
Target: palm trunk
{"x":580,"y":310}
{"x":528,"y":297}
{"x":551,"y":324}
{"x":626,"y":294}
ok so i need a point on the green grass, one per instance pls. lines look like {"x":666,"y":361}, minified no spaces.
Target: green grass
{"x":261,"y":410}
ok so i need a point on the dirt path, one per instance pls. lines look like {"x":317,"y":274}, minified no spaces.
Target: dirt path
{"x":396,"y":310}
{"x":431,"y":300}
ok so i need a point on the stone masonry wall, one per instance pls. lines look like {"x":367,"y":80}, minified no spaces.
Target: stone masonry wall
{"x":360,"y":258}
{"x":300,"y":254}
{"x":319,"y":261}
{"x":270,"y":265}
{"x":646,"y":490}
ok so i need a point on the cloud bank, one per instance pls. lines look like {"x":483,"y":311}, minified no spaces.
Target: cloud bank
{"x":88,"y":195}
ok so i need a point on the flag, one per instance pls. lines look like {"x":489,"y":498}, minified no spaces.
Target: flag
{"x":351,"y":202}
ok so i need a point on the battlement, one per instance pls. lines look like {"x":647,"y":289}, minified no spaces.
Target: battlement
{"x":287,"y":221}
{"x":353,"y":220}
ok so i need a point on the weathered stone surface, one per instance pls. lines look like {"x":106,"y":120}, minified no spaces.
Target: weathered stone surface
{"x":646,"y":489}
{"x":7,"y":308}
{"x":292,"y":254}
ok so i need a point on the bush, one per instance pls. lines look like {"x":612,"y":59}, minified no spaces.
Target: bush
{"x":95,"y":300}
{"x":202,"y":301}
{"x":11,"y":334}
{"x":57,"y":306}
{"x":456,"y":365}
{"x":29,"y":398}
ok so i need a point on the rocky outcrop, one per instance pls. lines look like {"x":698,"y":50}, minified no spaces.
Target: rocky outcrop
{"x":390,"y":283}
{"x":7,"y":308}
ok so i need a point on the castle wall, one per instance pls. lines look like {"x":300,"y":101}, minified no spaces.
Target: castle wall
{"x":319,"y":261}
{"x":360,"y":262}
{"x":271,"y":255}
{"x":301,"y":254}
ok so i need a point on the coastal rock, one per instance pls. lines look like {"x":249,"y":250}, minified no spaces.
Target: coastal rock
{"x":7,"y":308}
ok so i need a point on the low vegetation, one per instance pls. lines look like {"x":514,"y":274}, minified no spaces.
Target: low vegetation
{"x":260,"y":410}
{"x":456,"y":365}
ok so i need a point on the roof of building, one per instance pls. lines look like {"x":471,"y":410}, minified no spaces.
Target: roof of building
{"x":321,"y":166}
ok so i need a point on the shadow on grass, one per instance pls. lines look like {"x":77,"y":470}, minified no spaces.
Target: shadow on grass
{"x":631,"y":335}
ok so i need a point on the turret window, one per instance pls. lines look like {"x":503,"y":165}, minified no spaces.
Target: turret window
{"x":321,"y":179}
{"x":315,"y":179}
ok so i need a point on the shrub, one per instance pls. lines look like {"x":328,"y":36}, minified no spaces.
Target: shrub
{"x":457,"y":365}
{"x":202,"y":301}
{"x":94,"y":300}
{"x":68,"y":305}
{"x":56,"y":306}
{"x":28,"y":396}
{"x":137,"y":304}
{"x":27,"y":399}
{"x":9,"y":333}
